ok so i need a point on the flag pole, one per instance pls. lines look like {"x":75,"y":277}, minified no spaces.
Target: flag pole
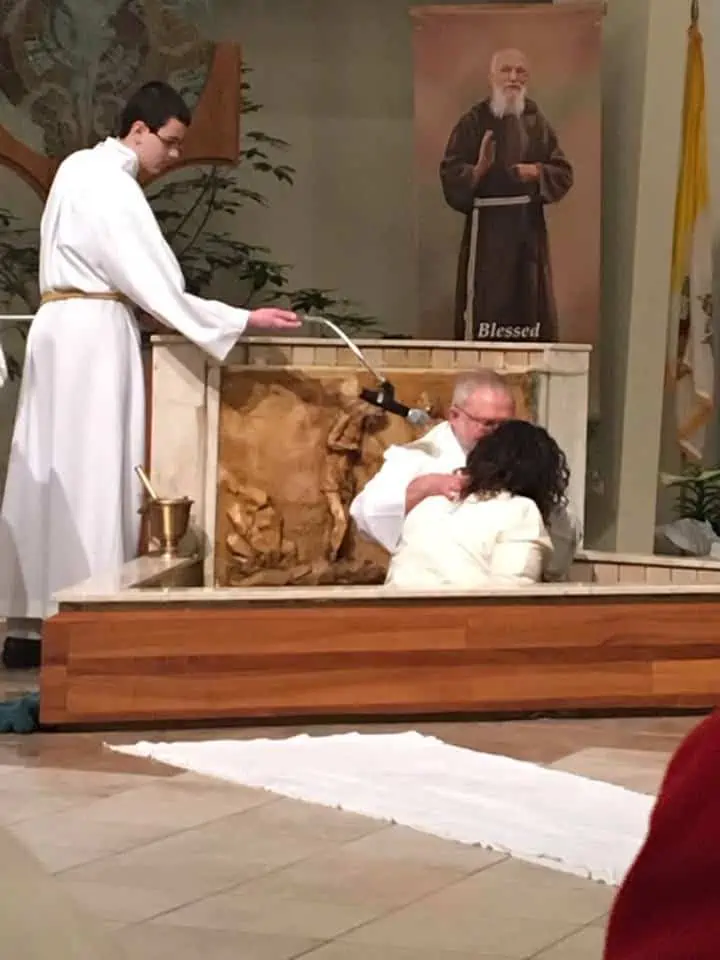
{"x":694,"y":12}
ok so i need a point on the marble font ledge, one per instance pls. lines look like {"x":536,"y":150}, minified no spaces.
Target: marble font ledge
{"x":140,"y":583}
{"x":600,"y":557}
{"x":526,"y":346}
{"x":245,"y":597}
{"x":151,"y":578}
{"x":143,"y":572}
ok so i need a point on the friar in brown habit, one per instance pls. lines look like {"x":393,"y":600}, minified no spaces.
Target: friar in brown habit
{"x":502,"y":164}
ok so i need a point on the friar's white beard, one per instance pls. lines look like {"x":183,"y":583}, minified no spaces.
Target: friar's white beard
{"x":503,"y":105}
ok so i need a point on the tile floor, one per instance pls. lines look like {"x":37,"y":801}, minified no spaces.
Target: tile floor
{"x":174,"y":866}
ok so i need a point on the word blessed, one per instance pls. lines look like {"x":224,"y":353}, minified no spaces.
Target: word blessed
{"x":493,"y":331}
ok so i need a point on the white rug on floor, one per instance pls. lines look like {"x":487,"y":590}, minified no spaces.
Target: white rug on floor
{"x":570,"y":823}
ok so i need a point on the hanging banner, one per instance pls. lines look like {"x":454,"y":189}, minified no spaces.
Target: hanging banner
{"x":508,"y":166}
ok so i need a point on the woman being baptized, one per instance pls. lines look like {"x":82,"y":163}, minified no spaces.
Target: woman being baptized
{"x":493,"y":534}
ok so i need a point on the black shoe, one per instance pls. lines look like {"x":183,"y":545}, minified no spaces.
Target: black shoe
{"x":21,"y":653}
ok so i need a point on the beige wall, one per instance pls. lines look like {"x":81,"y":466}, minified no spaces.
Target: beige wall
{"x":643,"y":86}
{"x":335,"y":79}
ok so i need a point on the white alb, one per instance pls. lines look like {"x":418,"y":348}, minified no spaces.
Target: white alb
{"x":71,"y":500}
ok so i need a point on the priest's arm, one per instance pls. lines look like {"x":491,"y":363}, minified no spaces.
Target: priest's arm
{"x":140,"y":264}
{"x":555,"y":171}
{"x":379,"y":510}
{"x":469,"y":170}
{"x":459,"y":175}
{"x":547,"y":175}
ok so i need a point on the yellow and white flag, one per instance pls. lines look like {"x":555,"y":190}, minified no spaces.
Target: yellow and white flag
{"x":691,"y":360}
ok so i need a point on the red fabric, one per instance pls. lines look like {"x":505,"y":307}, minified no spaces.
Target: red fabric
{"x":668,"y":908}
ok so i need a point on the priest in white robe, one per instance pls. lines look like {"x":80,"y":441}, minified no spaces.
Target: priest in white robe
{"x":70,"y":509}
{"x":425,"y":468}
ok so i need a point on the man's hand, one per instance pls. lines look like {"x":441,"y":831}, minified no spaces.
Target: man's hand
{"x":527,"y":172}
{"x":448,"y":485}
{"x":271,"y":318}
{"x":486,"y":155}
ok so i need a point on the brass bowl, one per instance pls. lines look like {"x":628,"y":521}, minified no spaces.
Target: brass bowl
{"x":168,"y":522}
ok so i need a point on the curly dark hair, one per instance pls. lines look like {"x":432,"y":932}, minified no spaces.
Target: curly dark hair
{"x":522,"y":459}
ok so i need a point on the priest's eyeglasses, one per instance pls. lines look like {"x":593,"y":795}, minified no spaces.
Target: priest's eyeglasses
{"x":480,"y":421}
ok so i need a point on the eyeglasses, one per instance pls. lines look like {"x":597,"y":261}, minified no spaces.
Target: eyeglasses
{"x":480,"y":421}
{"x":173,"y":146}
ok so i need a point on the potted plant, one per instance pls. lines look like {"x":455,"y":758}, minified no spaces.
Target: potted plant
{"x":696,"y":528}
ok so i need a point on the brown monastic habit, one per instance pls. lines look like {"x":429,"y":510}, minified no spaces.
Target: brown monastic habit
{"x":512,"y":286}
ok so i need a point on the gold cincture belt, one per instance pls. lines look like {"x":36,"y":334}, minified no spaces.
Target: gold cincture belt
{"x":55,"y":296}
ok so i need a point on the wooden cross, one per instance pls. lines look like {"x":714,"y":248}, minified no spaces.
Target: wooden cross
{"x":213,"y":138}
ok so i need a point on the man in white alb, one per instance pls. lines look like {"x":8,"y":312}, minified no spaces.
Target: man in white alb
{"x":70,"y":509}
{"x":424,"y":468}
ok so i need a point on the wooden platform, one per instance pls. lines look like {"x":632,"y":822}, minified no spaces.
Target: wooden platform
{"x":200,"y":654}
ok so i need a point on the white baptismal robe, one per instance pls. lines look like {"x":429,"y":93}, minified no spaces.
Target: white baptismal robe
{"x":497,"y":542}
{"x":379,"y":509}
{"x":70,"y":509}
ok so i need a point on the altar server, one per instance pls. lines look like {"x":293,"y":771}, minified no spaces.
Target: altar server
{"x":425,"y":468}
{"x":70,"y":509}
